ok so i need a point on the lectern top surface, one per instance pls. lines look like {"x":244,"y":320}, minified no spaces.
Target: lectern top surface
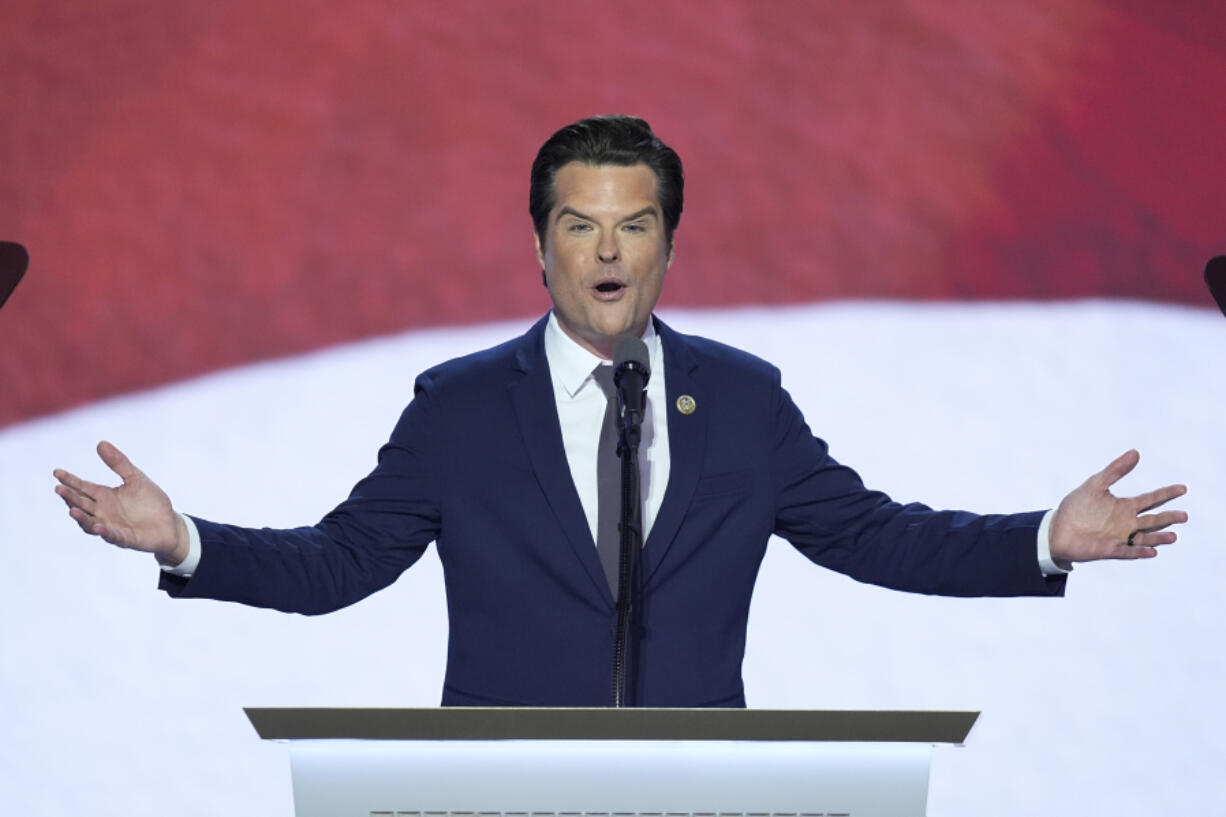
{"x":523,"y":723}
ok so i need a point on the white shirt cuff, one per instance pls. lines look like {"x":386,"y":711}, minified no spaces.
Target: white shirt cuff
{"x":188,"y":566}
{"x":1047,"y":565}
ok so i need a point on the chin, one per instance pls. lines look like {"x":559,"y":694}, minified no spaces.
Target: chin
{"x":614,"y":329}
{"x":628,"y":329}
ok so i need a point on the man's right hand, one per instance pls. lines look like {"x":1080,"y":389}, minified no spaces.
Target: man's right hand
{"x":136,"y":515}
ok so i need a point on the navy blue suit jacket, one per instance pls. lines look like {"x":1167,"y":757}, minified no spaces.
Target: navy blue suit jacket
{"x":476,"y":464}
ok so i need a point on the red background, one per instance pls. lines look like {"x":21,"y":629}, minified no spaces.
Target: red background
{"x":200,"y":185}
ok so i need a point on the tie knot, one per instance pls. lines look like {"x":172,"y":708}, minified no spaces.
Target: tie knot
{"x":603,"y":375}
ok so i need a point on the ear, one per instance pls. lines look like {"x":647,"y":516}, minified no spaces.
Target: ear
{"x":540,"y":256}
{"x":540,"y":250}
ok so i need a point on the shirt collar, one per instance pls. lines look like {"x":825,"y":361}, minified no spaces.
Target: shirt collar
{"x":571,"y":365}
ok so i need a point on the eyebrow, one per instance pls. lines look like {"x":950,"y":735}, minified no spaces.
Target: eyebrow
{"x":571,"y":211}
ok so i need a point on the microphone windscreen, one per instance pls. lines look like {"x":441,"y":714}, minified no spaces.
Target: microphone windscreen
{"x":13,"y":262}
{"x":630,"y":349}
{"x":1215,"y":277}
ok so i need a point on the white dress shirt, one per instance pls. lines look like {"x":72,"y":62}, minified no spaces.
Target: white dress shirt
{"x":581,"y":407}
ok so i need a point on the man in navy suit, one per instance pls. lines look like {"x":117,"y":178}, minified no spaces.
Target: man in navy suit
{"x":495,"y":460}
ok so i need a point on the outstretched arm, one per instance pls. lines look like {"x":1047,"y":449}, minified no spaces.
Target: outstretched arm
{"x":1091,"y":523}
{"x":137,"y":514}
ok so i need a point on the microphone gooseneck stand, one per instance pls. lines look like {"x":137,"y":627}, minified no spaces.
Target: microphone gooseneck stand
{"x":630,"y":374}
{"x":631,"y":530}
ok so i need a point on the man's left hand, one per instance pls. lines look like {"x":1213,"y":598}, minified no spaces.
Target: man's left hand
{"x":1091,"y":523}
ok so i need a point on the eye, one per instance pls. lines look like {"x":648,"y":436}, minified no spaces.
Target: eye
{"x":578,"y":227}
{"x":635,"y":227}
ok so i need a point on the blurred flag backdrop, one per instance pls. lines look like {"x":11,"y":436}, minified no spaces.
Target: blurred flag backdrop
{"x":971,"y":235}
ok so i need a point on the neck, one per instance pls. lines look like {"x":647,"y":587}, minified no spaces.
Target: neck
{"x":602,"y":346}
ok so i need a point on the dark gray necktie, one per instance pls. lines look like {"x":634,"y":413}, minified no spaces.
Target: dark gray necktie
{"x":608,"y":481}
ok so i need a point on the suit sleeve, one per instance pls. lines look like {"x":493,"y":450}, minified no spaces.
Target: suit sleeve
{"x":824,"y":510}
{"x":362,"y":546}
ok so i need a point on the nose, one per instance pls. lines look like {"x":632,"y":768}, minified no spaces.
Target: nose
{"x":607,"y":250}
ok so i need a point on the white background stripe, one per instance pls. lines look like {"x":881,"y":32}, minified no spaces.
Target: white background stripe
{"x":119,"y":701}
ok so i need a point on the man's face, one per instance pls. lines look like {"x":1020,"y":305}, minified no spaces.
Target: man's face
{"x":605,"y":253}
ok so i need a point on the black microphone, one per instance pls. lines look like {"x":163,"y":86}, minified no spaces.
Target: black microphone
{"x":630,"y":374}
{"x":13,"y":262}
{"x":1215,"y":277}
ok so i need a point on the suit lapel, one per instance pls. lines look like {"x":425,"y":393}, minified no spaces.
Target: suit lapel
{"x":687,"y":442}
{"x":537,"y":413}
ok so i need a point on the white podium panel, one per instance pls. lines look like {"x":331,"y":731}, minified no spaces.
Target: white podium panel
{"x":532,"y":778}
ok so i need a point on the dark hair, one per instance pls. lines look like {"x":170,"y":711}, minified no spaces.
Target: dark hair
{"x":606,"y":140}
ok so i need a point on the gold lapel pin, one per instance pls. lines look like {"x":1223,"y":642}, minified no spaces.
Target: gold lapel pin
{"x":686,"y":404}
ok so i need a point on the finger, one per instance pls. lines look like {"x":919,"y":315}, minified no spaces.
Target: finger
{"x":117,"y":461}
{"x":1158,"y":521}
{"x":1151,"y":500}
{"x":1136,"y":551}
{"x":93,"y":527}
{"x":76,"y":500}
{"x":83,"y":519}
{"x":83,"y":487}
{"x":1118,"y":468}
{"x":1153,"y":539}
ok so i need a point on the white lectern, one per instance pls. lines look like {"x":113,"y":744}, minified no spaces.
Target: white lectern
{"x":472,"y":762}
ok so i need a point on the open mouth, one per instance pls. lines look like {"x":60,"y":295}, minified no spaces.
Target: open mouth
{"x":609,"y":287}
